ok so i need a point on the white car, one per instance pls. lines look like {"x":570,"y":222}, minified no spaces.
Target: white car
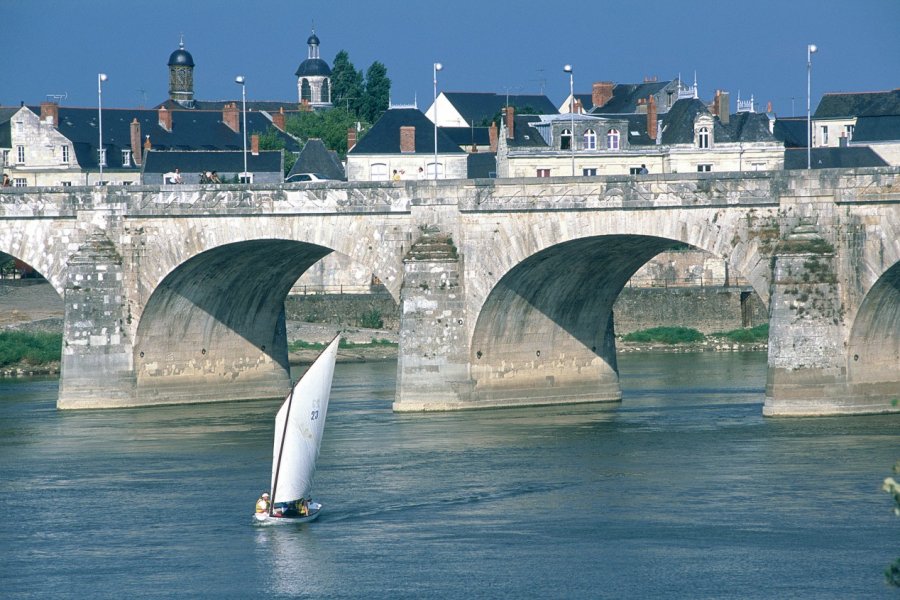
{"x":300,"y":177}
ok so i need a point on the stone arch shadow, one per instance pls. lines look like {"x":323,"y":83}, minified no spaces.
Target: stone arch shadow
{"x":545,"y":333}
{"x":214,"y":327}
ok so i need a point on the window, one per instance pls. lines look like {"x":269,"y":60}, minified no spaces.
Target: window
{"x":379,"y":172}
{"x":590,"y":140}
{"x":103,"y":157}
{"x":704,"y":168}
{"x":20,"y":127}
{"x":612,"y":139}
{"x":703,"y":138}
{"x":126,"y":158}
{"x":824,"y":135}
{"x":65,"y":183}
{"x":19,"y":182}
{"x":65,"y":154}
{"x":429,"y":170}
{"x":6,"y":157}
{"x":758,"y":166}
{"x":565,"y":140}
{"x":20,"y":155}
{"x":305,"y":91}
{"x":127,"y":182}
{"x":634,"y":171}
{"x":543,"y":172}
{"x":848,"y":131}
{"x":589,"y":172}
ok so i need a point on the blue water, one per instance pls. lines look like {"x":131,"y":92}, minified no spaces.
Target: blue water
{"x":682,"y":490}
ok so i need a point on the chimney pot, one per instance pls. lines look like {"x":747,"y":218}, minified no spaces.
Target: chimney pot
{"x":651,"y":117}
{"x":136,"y":142}
{"x":493,"y":136}
{"x":407,"y":138}
{"x":278,"y":119}
{"x":165,"y":119}
{"x":230,"y":117}
{"x":601,"y":93}
{"x":254,"y":144}
{"x":147,"y":145}
{"x":50,"y":113}
{"x":510,"y":122}
{"x":351,"y":138}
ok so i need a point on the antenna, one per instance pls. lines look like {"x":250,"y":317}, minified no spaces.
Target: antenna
{"x":57,"y":97}
{"x":143,"y":94}
{"x":542,"y":81}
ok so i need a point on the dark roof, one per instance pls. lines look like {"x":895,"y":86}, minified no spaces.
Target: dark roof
{"x":466,"y":136}
{"x":181,"y":57}
{"x":841,"y":104}
{"x":313,"y":67}
{"x":792,"y":131}
{"x":481,"y":165}
{"x":191,"y":130}
{"x":637,"y":130}
{"x":678,"y":123}
{"x":270,"y":106}
{"x":5,"y":128}
{"x":749,"y":127}
{"x":157,"y":161}
{"x":625,"y":97}
{"x":480,"y":107}
{"x":316,"y":158}
{"x":313,"y":40}
{"x":524,"y":134}
{"x":833,"y":158}
{"x":384,"y":136}
{"x":877,"y":129}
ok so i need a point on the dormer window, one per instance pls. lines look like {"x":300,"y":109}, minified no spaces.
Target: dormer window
{"x":590,"y":139}
{"x":565,"y":140}
{"x":613,"y":138}
{"x":703,"y":137}
{"x":126,"y":158}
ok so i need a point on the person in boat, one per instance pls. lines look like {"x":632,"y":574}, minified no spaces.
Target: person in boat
{"x":262,"y":505}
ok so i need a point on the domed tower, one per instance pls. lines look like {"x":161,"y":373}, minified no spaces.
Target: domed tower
{"x":314,"y":77}
{"x":181,"y":76}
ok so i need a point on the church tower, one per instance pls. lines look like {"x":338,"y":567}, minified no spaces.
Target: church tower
{"x":314,"y":77}
{"x":181,"y":76}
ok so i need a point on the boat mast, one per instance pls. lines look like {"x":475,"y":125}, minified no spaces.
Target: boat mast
{"x":287,"y":419}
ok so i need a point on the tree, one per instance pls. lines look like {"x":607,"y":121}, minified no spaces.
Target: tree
{"x":346,"y":84}
{"x":330,"y":126}
{"x":378,"y":92}
{"x":272,"y":140}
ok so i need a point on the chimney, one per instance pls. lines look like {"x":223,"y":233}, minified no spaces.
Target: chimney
{"x":230,"y":117}
{"x":254,"y":144}
{"x":50,"y":113}
{"x":723,"y":106}
{"x":510,"y":122}
{"x":136,"y":142}
{"x":842,"y":142}
{"x":147,"y":144}
{"x":278,"y":119}
{"x":351,"y":138}
{"x":651,"y":117}
{"x":493,"y":136}
{"x":407,"y":138}
{"x":769,"y":106}
{"x":578,"y":108}
{"x":165,"y":119}
{"x":601,"y":93}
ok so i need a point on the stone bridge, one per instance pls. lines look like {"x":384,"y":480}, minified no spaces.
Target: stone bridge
{"x":175,"y":294}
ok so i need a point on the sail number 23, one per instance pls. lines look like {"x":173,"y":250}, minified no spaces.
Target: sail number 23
{"x":314,"y":415}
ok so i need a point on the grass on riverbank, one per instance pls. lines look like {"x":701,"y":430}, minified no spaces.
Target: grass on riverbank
{"x":298,"y":345}
{"x":35,"y":348}
{"x":687,"y":335}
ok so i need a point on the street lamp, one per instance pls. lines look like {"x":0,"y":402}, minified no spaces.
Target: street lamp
{"x":810,"y":50}
{"x":437,"y":67}
{"x":568,"y":69}
{"x":101,"y":77}
{"x":241,"y":81}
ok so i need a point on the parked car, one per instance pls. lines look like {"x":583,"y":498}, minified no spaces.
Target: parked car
{"x":299,"y":177}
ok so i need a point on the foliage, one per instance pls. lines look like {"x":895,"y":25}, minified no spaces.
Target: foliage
{"x":520,"y":110}
{"x":347,"y":85}
{"x":760,"y":333}
{"x":298,"y":345}
{"x":371,"y":319}
{"x":378,"y":92}
{"x":330,"y":126}
{"x":892,"y":572}
{"x":272,"y":140}
{"x":30,"y":348}
{"x":665,"y":335}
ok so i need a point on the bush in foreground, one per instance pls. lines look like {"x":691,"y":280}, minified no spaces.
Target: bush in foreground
{"x":760,"y":333}
{"x":31,"y":348}
{"x":665,"y":335}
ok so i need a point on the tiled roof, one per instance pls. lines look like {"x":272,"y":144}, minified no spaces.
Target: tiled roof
{"x":833,"y":158}
{"x":877,"y":129}
{"x":316,"y":158}
{"x":792,"y":131}
{"x":384,"y":136}
{"x":480,"y":107}
{"x":223,"y":162}
{"x":837,"y":105}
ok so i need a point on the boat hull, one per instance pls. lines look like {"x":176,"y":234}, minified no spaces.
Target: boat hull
{"x":314,"y":509}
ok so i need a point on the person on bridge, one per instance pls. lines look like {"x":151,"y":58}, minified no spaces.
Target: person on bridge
{"x":6,"y":181}
{"x":262,"y":505}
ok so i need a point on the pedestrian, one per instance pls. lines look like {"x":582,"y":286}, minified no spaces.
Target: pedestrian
{"x":214,"y":178}
{"x":177,"y":177}
{"x":643,"y":170}
{"x":421,"y":174}
{"x":395,"y":176}
{"x":6,"y":181}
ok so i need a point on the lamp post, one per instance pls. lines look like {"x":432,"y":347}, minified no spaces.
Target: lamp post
{"x":437,"y":67}
{"x":101,"y":77}
{"x":810,"y":50}
{"x":568,"y":69}
{"x":241,"y":81}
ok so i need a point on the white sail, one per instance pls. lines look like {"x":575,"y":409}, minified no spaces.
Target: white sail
{"x":294,"y":461}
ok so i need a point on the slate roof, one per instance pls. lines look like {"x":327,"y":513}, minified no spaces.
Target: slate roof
{"x":270,"y":106}
{"x":524,"y":133}
{"x":480,"y":107}
{"x":833,"y":158}
{"x":841,"y":104}
{"x":877,"y":129}
{"x":313,"y":67}
{"x":197,"y":161}
{"x":678,"y":125}
{"x":792,"y":131}
{"x":749,"y":127}
{"x":466,"y":136}
{"x":5,"y":128}
{"x":481,"y":165}
{"x":191,"y":130}
{"x":316,"y":158}
{"x":384,"y":136}
{"x":625,"y":97}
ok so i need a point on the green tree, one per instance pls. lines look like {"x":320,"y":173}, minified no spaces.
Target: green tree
{"x":272,"y":140}
{"x":378,"y":92}
{"x":347,"y":87}
{"x":330,"y":126}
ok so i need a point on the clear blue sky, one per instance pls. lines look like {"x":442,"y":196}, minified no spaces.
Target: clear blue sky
{"x":757,"y":47}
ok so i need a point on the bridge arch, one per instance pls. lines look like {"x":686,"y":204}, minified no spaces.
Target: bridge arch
{"x":40,"y":244}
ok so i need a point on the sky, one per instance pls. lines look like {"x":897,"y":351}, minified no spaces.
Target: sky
{"x":758,"y":47}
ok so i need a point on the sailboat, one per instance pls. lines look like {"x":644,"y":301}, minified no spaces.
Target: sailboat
{"x":299,"y":425}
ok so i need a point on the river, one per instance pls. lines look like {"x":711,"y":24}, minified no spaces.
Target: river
{"x":682,"y":490}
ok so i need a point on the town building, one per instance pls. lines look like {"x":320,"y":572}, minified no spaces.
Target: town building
{"x":479,"y":109}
